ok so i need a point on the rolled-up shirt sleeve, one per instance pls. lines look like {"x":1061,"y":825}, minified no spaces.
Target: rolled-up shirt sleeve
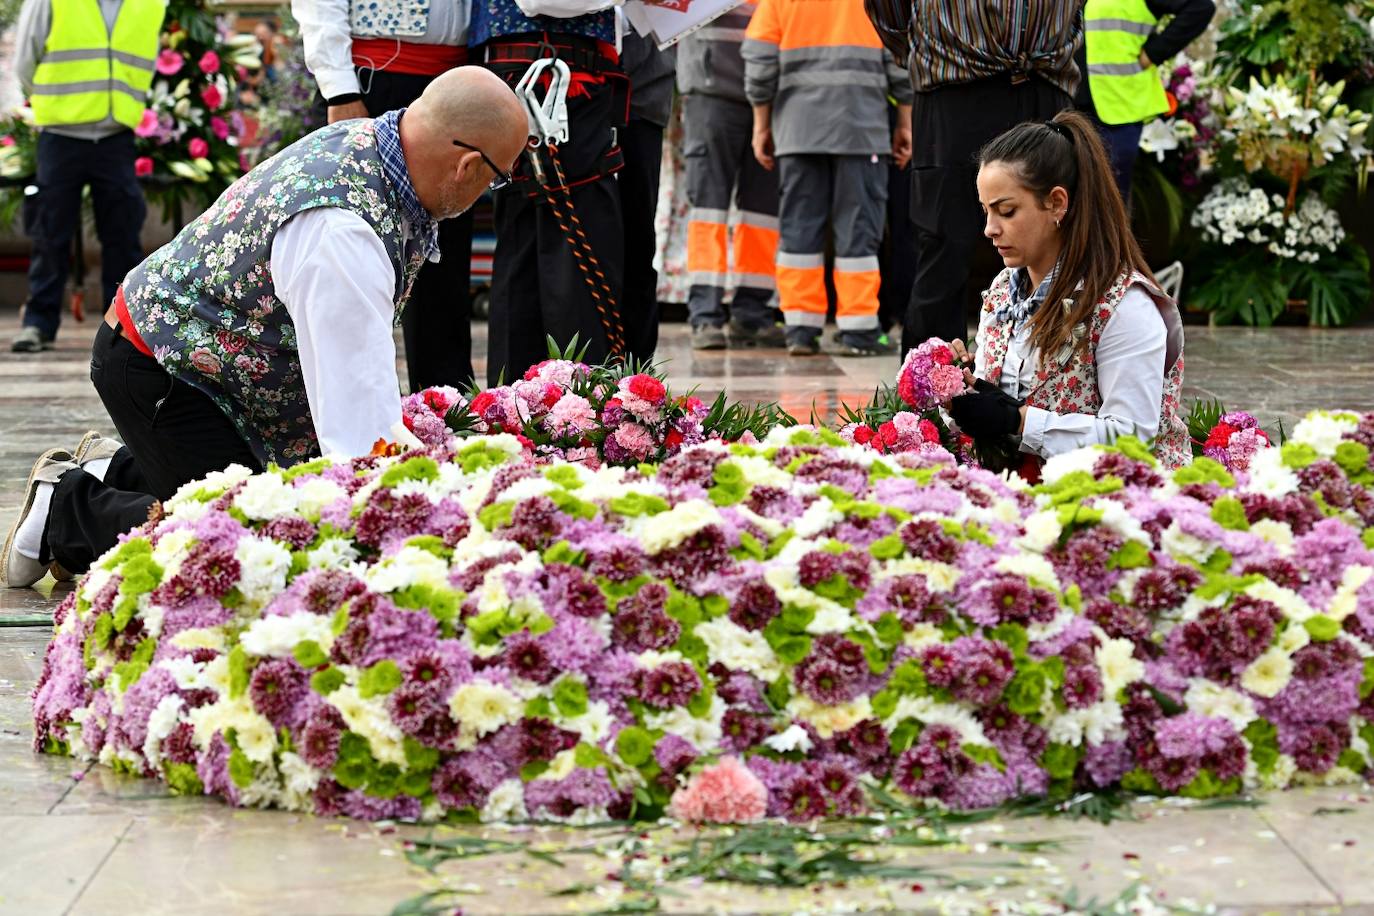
{"x":1130,"y":376}
{"x":328,"y":45}
{"x":760,"y":52}
{"x":337,"y":282}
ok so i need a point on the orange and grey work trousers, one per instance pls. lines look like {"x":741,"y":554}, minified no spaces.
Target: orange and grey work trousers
{"x":848,"y":194}
{"x":721,"y":168}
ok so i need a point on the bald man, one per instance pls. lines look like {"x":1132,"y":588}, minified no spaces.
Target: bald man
{"x":262,"y":332}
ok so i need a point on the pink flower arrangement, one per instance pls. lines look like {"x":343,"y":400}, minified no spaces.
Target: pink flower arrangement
{"x":148,"y":126}
{"x":723,"y":793}
{"x":929,"y":377}
{"x":642,"y":395}
{"x":212,"y":97}
{"x":169,"y":62}
{"x":197,"y":148}
{"x":219,"y":127}
{"x":143,"y":166}
{"x":1235,"y":440}
{"x":905,"y":432}
{"x":209,"y":62}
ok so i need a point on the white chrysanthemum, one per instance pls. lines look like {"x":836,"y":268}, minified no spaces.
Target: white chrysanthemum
{"x":408,"y":566}
{"x":161,"y":722}
{"x":1116,"y":517}
{"x":1096,"y":724}
{"x":940,"y":577}
{"x":480,"y":708}
{"x":594,"y":725}
{"x":606,"y":483}
{"x":299,"y":780}
{"x":703,"y":733}
{"x":216,"y":482}
{"x":188,"y":673}
{"x":505,"y":804}
{"x":257,"y":739}
{"x":313,"y":496}
{"x":277,"y":636}
{"x":830,"y":616}
{"x":1065,"y":463}
{"x":1279,"y":534}
{"x":650,"y":659}
{"x":922,"y":635}
{"x":1345,"y":601}
{"x":200,"y":638}
{"x":1042,"y":531}
{"x":1324,"y":431}
{"x":820,"y":516}
{"x":829,"y":720}
{"x":1033,"y":567}
{"x":1268,"y":674}
{"x":264,"y":565}
{"x":333,"y":553}
{"x":91,"y":585}
{"x":929,"y":712}
{"x":739,"y":649}
{"x":1293,"y":638}
{"x":1288,"y":601}
{"x":794,"y":738}
{"x":527,"y":488}
{"x":370,"y":718}
{"x":1119,"y":666}
{"x":1211,"y":699}
{"x":1183,"y":546}
{"x":1039,"y":632}
{"x":760,"y":472}
{"x":171,"y":551}
{"x":1269,"y":476}
{"x":265,"y":497}
{"x":656,"y":533}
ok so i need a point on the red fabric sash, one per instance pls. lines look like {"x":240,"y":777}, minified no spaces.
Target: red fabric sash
{"x":393,"y":56}
{"x":126,"y":323}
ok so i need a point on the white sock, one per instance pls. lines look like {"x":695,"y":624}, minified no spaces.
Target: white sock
{"x":97,"y":468}
{"x":28,"y":540}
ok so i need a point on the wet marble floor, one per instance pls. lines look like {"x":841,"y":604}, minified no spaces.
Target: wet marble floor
{"x":79,"y":840}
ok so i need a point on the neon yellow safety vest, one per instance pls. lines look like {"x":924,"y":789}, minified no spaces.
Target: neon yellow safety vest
{"x":88,"y":73}
{"x":1123,"y":92}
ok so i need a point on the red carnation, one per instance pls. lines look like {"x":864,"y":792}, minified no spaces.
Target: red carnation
{"x":889,"y":433}
{"x":863,"y":434}
{"x":648,"y":388}
{"x":673,"y":439}
{"x":929,"y":431}
{"x":483,"y":402}
{"x":552,"y":394}
{"x":1220,"y":436}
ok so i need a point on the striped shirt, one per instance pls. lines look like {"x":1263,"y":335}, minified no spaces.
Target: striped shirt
{"x":958,"y":41}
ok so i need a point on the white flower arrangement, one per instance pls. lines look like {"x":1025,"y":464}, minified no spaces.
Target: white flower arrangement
{"x":1234,"y":211}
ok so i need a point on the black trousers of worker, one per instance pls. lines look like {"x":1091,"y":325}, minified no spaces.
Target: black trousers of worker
{"x":53,"y":215}
{"x":642,"y":143}
{"x":173,"y":434}
{"x":949,"y":126}
{"x":537,"y":288}
{"x":437,"y":322}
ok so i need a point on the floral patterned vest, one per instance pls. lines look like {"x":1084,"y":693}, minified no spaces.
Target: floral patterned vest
{"x":205,"y":303}
{"x":1067,"y":383}
{"x":388,"y":18}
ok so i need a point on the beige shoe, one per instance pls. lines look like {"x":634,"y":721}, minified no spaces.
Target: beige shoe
{"x":94,"y":446}
{"x":17,"y":570}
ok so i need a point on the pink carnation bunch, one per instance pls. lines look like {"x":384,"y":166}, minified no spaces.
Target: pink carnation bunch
{"x":727,"y":792}
{"x":1235,"y":440}
{"x":929,"y":376}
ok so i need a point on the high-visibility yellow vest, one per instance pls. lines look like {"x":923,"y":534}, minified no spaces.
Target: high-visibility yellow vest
{"x":89,"y":73}
{"x":1123,"y":91}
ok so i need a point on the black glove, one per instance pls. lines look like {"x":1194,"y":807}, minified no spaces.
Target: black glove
{"x":988,"y":411}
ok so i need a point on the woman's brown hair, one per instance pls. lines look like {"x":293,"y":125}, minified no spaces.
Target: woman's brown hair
{"x":1097,"y":241}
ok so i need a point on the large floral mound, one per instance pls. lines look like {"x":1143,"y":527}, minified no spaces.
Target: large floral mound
{"x":789,"y":627}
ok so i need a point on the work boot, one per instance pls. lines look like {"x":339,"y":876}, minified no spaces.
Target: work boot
{"x":750,"y":335}
{"x":864,"y":343}
{"x":93,"y":447}
{"x":31,"y":340}
{"x":19,"y":570}
{"x":708,"y":337}
{"x":803,"y":341}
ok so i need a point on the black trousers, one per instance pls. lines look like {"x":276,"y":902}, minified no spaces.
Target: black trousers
{"x":642,"y":142}
{"x":173,"y":434}
{"x":537,"y":288}
{"x":52,"y":216}
{"x":895,"y":256}
{"x":437,"y":322}
{"x":949,"y":127}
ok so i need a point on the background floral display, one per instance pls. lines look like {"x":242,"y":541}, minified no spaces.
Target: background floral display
{"x":1268,"y":140}
{"x":723,"y":617}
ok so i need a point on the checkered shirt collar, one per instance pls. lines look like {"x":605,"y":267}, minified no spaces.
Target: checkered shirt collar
{"x":394,"y":167}
{"x":1019,"y":307}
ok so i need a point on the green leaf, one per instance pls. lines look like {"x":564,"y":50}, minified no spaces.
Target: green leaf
{"x":380,"y":679}
{"x":570,"y":696}
{"x":309,"y":654}
{"x":634,"y":745}
{"x":1322,"y":628}
{"x":327,"y":681}
{"x":1228,"y":512}
{"x":887,"y":548}
{"x":238,"y":672}
{"x":240,"y":769}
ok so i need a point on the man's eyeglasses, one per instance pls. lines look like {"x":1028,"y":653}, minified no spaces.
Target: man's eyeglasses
{"x":502,"y":178}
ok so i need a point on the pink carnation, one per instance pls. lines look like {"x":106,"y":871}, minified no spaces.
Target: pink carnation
{"x":209,"y":62}
{"x":723,"y":793}
{"x":642,"y":396}
{"x":197,"y":148}
{"x":571,"y":415}
{"x":212,"y":97}
{"x":143,"y":166}
{"x":947,"y":382}
{"x":635,"y":439}
{"x":219,"y":127}
{"x":148,"y":126}
{"x":169,"y":62}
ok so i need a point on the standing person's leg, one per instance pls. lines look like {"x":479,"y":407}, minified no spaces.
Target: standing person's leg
{"x":119,"y":211}
{"x":515,"y":329}
{"x":642,"y":142}
{"x":858,"y":201}
{"x":61,"y":174}
{"x":437,"y":321}
{"x":803,"y":212}
{"x":755,"y":249}
{"x":712,"y":164}
{"x":898,"y":249}
{"x":1123,"y":146}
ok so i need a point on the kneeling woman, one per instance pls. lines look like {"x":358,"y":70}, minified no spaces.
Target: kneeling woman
{"x":1077,"y":345}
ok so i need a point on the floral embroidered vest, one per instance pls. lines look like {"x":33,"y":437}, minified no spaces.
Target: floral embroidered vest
{"x":388,"y":18}
{"x":1067,"y":383}
{"x":205,"y":302}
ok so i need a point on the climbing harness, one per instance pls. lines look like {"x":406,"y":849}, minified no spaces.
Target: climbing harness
{"x":548,"y":121}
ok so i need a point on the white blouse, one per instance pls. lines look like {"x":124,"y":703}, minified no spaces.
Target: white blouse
{"x":1130,"y":359}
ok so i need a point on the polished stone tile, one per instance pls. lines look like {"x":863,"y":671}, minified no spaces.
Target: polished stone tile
{"x":46,"y":862}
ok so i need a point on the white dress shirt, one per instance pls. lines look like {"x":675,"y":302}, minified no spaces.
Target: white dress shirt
{"x":338,"y":284}
{"x":328,"y":39}
{"x":1130,"y":360}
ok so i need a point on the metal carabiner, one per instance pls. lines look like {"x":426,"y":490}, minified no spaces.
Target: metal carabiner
{"x":548,"y":120}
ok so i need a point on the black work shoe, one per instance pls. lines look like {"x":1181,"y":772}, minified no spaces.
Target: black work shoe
{"x":864,"y":344}
{"x":31,"y":340}
{"x":768,"y":335}
{"x":708,"y":337}
{"x":803,"y":342}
